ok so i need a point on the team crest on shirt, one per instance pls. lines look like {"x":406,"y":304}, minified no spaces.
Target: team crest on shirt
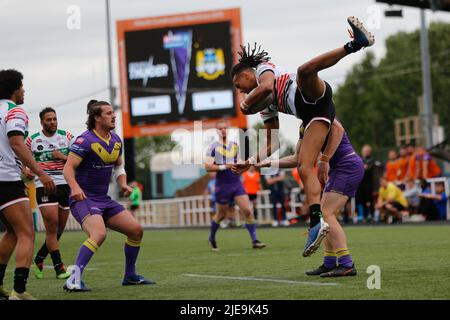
{"x":210,"y":63}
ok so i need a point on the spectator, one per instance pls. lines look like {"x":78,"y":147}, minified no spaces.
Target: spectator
{"x":135,"y":197}
{"x":403,"y":163}
{"x":412,"y":195}
{"x":391,"y":169}
{"x":441,"y":200}
{"x":252,"y":184}
{"x":433,"y":205}
{"x":391,"y":201}
{"x":364,"y":195}
{"x":276,"y":186}
{"x":410,"y":150}
{"x":422,"y":166}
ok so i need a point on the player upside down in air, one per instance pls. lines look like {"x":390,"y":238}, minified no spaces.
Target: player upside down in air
{"x":304,"y":95}
{"x":93,"y":156}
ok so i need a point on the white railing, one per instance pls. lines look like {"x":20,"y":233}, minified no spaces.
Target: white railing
{"x":193,"y":211}
{"x":196,"y":211}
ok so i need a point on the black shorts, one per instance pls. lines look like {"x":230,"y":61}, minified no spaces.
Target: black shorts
{"x":321,"y":109}
{"x":134,"y":207}
{"x":12,"y":192}
{"x":60,"y":198}
{"x":252,"y":197}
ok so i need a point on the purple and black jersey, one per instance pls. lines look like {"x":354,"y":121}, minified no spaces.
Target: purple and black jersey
{"x":346,"y":168}
{"x":224,"y":154}
{"x":344,"y":149}
{"x":99,"y":157}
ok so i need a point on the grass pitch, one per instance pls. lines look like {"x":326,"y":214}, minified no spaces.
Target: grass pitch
{"x":414,"y":262}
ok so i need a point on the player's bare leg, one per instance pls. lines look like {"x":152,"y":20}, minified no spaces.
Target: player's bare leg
{"x":19,"y":218}
{"x":221,"y":213}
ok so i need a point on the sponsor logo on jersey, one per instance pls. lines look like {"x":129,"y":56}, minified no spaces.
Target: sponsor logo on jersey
{"x":210,"y":63}
{"x":79,"y":140}
{"x":38,"y":140}
{"x":44,"y":199}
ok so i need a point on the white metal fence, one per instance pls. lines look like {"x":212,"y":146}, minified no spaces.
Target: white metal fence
{"x":197,"y":211}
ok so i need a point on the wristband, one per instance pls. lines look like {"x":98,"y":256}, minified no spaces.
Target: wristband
{"x":324,"y":158}
{"x":222,"y":167}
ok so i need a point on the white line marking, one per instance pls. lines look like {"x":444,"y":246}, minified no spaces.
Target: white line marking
{"x":87,"y":268}
{"x":261,"y":279}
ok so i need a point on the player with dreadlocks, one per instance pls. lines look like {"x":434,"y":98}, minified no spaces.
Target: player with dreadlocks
{"x":306,"y":96}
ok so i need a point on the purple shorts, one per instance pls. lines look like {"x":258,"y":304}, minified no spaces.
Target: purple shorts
{"x":104,"y":206}
{"x":345,"y":176}
{"x":225,"y":193}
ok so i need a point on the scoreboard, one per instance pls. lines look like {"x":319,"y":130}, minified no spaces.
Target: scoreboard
{"x":175,"y":70}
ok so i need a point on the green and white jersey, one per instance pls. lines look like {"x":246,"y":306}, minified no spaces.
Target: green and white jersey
{"x":13,"y":119}
{"x":42,"y":148}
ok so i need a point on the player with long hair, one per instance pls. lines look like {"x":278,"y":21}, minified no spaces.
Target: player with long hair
{"x":93,"y":157}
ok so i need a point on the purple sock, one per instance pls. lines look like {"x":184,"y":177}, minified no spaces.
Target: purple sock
{"x":85,"y":254}
{"x":131,"y":249}
{"x":214,"y":227}
{"x":345,"y":261}
{"x":251,"y":227}
{"x":329,"y":262}
{"x":344,"y":258}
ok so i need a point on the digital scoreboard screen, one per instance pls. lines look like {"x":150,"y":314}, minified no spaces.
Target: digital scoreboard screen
{"x":179,"y":73}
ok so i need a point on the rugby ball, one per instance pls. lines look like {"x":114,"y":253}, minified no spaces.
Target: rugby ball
{"x":261,"y":105}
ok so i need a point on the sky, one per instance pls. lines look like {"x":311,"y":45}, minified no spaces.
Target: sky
{"x":65,"y":67}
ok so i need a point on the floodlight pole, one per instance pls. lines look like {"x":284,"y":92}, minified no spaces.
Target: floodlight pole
{"x":426,"y":81}
{"x":110,"y":78}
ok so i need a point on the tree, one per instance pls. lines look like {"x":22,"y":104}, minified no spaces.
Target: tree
{"x":375,"y":94}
